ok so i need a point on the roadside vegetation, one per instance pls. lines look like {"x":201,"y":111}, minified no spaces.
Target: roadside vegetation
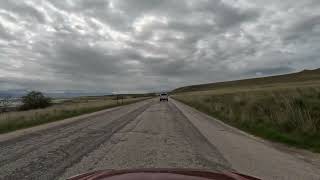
{"x":35,"y":100}
{"x":10,"y":121}
{"x":282,"y":112}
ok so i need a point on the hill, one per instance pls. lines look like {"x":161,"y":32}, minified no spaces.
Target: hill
{"x":283,"y":108}
{"x":300,"y":77}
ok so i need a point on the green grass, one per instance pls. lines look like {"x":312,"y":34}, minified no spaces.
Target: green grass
{"x":284,"y":108}
{"x":288,"y":115}
{"x":18,"y":120}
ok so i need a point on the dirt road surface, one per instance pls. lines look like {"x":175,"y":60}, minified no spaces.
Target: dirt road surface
{"x":145,"y":134}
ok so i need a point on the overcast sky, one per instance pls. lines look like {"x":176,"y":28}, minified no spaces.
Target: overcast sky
{"x":152,"y":45}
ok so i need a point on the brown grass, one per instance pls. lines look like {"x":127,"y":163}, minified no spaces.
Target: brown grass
{"x":288,"y":115}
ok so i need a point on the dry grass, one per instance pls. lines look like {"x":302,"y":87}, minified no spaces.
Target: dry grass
{"x":283,"y":108}
{"x":287,"y":114}
{"x":17,"y":120}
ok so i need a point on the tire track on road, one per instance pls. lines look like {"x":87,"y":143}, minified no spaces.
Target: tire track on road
{"x":55,"y":162}
{"x":47,"y":138}
{"x":42,"y":138}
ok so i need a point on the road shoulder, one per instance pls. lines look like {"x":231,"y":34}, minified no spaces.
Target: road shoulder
{"x":251,"y":155}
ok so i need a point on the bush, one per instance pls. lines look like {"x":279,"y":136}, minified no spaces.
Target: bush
{"x":35,"y":100}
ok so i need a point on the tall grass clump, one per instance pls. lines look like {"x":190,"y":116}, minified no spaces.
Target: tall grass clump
{"x":289,"y":116}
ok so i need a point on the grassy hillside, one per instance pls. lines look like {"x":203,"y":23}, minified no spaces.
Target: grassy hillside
{"x":282,"y":108}
{"x":304,"y":77}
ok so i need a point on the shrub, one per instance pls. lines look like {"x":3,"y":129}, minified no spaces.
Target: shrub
{"x":35,"y":100}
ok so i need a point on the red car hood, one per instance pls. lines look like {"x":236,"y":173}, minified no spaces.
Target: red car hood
{"x":160,"y":174}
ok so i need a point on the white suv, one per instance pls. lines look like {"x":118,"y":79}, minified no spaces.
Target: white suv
{"x":163,"y":97}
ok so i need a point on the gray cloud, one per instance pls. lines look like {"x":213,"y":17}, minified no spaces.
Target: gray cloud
{"x":304,"y":29}
{"x":25,"y":11}
{"x":151,"y":45}
{"x":4,"y":34}
{"x":269,"y":71}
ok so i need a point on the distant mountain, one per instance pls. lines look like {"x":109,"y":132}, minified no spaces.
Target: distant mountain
{"x":303,"y":76}
{"x":17,"y":93}
{"x":74,"y":94}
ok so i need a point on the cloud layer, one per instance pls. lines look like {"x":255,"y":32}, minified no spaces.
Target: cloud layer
{"x":152,"y":45}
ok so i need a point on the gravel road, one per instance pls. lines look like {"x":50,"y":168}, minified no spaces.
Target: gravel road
{"x":144,"y":134}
